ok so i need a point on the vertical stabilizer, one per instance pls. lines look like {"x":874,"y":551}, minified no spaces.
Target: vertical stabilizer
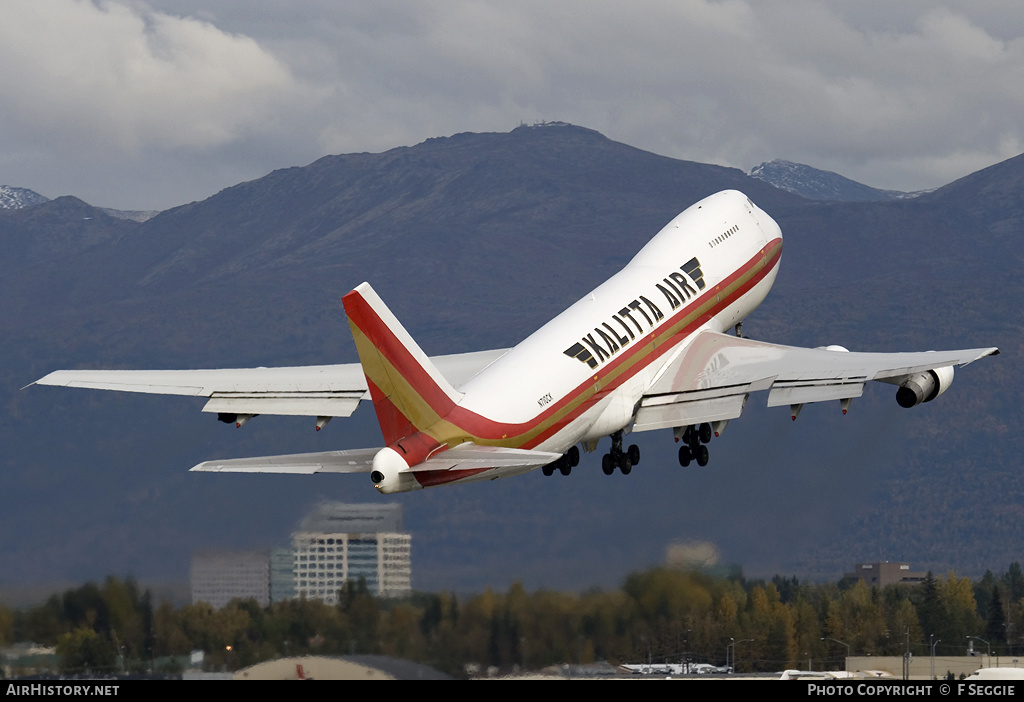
{"x":409,"y":393}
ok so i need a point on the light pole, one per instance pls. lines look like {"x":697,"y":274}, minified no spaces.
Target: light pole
{"x":986,"y":644}
{"x":733,"y":647}
{"x":843,"y":643}
{"x":934,"y":643}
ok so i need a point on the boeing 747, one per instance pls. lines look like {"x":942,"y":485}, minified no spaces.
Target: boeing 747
{"x":651,"y":348}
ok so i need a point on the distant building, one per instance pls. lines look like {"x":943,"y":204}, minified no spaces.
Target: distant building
{"x":885,"y":573}
{"x":335,"y":543}
{"x":339,"y":542}
{"x":219,"y":577}
{"x":282,"y":575}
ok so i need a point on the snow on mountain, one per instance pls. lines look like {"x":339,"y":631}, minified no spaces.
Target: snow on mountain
{"x":12,"y":198}
{"x":816,"y":184}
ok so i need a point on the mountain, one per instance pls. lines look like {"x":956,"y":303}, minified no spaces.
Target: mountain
{"x":816,"y":184}
{"x":53,"y":231}
{"x":12,"y":198}
{"x":474,"y":241}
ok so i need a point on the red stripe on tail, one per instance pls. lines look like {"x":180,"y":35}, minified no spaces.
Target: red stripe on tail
{"x":420,"y":395}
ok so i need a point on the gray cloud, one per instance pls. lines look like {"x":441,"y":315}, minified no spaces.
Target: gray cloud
{"x":143,"y":105}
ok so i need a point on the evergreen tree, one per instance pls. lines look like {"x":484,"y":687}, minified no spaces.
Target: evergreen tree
{"x":929,"y":609}
{"x":1014,"y":581}
{"x":995,"y":629}
{"x":983,"y":593}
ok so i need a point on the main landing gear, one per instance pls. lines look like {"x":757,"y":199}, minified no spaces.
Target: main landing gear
{"x":569,"y":460}
{"x":693,"y":448}
{"x":617,"y":458}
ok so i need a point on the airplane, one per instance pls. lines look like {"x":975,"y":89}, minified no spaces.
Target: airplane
{"x":657,"y":346}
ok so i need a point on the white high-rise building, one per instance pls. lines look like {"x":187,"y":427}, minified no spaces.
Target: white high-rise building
{"x":339,"y":542}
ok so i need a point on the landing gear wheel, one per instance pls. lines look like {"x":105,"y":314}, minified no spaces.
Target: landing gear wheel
{"x":625,"y":465}
{"x":548,"y":470}
{"x":685,"y":456}
{"x":573,"y":455}
{"x":607,"y":464}
{"x":634,"y":454}
{"x":702,"y":456}
{"x":704,"y":433}
{"x":565,"y":468}
{"x":692,"y":438}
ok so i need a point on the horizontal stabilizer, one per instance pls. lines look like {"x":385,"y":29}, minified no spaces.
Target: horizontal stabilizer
{"x":470,"y":456}
{"x":353,"y":461}
{"x":463,"y":457}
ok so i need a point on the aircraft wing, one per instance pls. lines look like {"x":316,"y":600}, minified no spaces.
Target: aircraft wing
{"x":466,"y":456}
{"x":316,"y":391}
{"x":710,"y":379}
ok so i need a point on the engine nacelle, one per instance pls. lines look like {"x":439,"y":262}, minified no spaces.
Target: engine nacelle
{"x":924,"y":387}
{"x":390,"y":473}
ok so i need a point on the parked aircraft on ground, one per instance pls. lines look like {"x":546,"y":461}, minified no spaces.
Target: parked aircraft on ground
{"x":648,"y":349}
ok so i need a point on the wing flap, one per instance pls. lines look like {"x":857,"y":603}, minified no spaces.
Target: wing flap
{"x":678,"y":414}
{"x":817,"y":392}
{"x":313,"y":404}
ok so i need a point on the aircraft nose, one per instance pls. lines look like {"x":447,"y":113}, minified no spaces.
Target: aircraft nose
{"x":768,"y":225}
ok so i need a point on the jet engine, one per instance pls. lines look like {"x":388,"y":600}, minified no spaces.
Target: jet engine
{"x":924,"y":387}
{"x":389,"y":473}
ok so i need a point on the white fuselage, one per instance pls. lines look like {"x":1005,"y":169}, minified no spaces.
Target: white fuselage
{"x":620,"y":330}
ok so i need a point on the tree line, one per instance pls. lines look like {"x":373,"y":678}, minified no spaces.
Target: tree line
{"x":661,"y":615}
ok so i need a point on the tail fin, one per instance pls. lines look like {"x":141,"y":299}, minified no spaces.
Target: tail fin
{"x":408,"y":392}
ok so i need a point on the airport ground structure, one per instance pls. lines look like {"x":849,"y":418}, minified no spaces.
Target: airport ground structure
{"x":925,"y":667}
{"x":661,"y":615}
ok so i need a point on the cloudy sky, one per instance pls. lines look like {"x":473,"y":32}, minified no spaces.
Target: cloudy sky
{"x":147,"y":105}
